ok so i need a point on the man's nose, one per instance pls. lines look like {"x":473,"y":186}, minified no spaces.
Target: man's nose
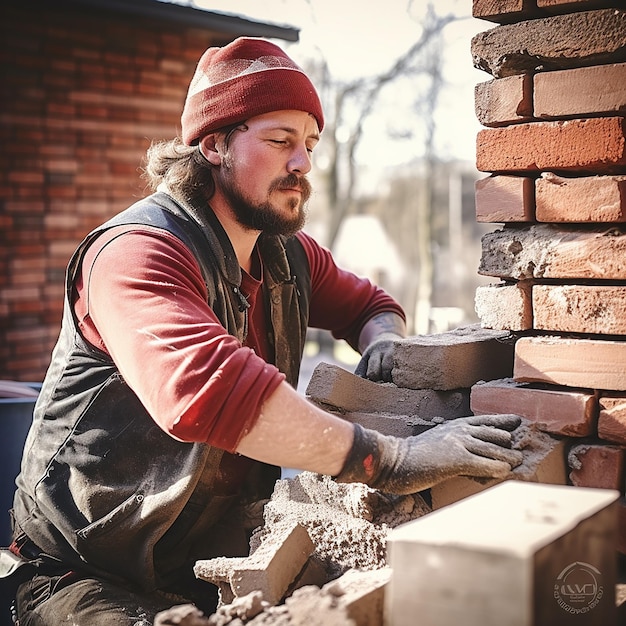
{"x":300,"y":161}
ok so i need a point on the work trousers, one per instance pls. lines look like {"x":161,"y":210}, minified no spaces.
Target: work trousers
{"x":79,"y":601}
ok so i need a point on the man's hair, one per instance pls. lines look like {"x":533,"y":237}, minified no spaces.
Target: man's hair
{"x":183,"y":169}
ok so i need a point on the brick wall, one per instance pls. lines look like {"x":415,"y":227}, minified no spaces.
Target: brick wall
{"x":554,"y":146}
{"x":83,"y":94}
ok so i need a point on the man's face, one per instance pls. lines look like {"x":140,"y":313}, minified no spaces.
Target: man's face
{"x":263,"y":169}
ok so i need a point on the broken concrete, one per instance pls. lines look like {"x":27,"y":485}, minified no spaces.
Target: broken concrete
{"x":553,"y":251}
{"x":270,"y":569}
{"x":552,"y":43}
{"x":332,"y":386}
{"x":544,"y":462}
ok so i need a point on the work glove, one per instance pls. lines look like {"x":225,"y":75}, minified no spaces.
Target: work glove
{"x":478,"y":446}
{"x":377,"y":360}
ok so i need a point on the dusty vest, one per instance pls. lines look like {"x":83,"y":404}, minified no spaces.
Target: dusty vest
{"x":102,"y":487}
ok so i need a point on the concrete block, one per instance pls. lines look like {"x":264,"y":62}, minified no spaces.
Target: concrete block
{"x":551,"y":43}
{"x":556,"y":410}
{"x":588,"y":309}
{"x":612,"y":418}
{"x":552,"y":251}
{"x":596,"y":145}
{"x":519,"y":554}
{"x":332,"y":386}
{"x":452,"y":360}
{"x":581,"y":199}
{"x":270,"y":569}
{"x":579,"y":92}
{"x":599,"y":466}
{"x":583,"y":363}
{"x":544,"y":462}
{"x":505,"y":199}
{"x":503,"y":101}
{"x":362,"y":594}
{"x":505,"y":306}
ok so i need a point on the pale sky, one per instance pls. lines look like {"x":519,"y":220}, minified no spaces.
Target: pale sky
{"x":361,"y":38}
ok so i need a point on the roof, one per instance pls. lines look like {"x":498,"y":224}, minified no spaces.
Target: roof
{"x":187,"y":13}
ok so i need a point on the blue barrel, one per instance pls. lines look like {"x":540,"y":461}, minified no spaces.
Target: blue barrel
{"x":16,"y":415}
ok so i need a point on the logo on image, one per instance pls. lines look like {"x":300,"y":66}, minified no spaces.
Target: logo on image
{"x":578,"y":588}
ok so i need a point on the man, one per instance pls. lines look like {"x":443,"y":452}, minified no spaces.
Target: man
{"x":169,"y":405}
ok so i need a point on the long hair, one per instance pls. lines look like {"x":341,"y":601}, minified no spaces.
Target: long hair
{"x":182,"y":168}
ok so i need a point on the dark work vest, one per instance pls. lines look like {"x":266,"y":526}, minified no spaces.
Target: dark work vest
{"x":102,"y":487}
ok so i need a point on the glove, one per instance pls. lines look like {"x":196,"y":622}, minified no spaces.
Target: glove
{"x":478,"y":446}
{"x":377,"y":360}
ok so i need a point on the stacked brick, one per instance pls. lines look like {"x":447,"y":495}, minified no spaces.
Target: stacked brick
{"x":554,"y":145}
{"x":84,"y":93}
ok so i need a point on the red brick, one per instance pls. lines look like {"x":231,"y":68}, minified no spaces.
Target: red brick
{"x":505,"y":199}
{"x":597,"y":466}
{"x":586,"y":145}
{"x":581,"y":199}
{"x":505,"y":306}
{"x":612,"y":418}
{"x":596,"y":90}
{"x":503,"y":101}
{"x":582,"y":363}
{"x":556,"y":410}
{"x":503,"y":11}
{"x":580,"y":309}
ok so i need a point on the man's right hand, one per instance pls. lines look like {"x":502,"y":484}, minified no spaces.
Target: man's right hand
{"x":478,"y":446}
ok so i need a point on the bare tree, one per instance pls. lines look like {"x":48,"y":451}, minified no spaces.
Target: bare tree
{"x":348,"y":105}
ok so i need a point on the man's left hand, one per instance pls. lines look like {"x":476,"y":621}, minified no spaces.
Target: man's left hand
{"x":377,"y":360}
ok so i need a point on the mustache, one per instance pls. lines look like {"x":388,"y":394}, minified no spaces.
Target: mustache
{"x":292,"y":181}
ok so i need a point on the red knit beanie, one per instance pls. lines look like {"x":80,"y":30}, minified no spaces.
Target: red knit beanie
{"x":248,"y":77}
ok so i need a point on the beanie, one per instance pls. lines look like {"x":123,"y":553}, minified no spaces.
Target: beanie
{"x":249,"y":76}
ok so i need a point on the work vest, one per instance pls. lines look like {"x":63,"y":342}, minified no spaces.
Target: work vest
{"x":102,"y":487}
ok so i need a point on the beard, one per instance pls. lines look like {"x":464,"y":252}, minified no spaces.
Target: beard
{"x":264,"y":216}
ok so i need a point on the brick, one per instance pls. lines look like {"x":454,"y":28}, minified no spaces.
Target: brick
{"x":269,"y":569}
{"x":452,"y":360}
{"x":544,"y":462}
{"x":596,"y":90}
{"x":505,"y":306}
{"x":550,"y":251}
{"x":503,"y":11}
{"x":581,"y":199}
{"x":596,"y":145}
{"x":395,"y":425}
{"x":621,"y":525}
{"x":591,"y":309}
{"x":583,"y":363}
{"x":503,"y":101}
{"x":552,"y":43}
{"x":505,"y":199}
{"x":564,"y":6}
{"x":612,"y":418}
{"x":596,"y":465}
{"x":335,"y":387}
{"x":556,"y":410}
{"x":505,"y":556}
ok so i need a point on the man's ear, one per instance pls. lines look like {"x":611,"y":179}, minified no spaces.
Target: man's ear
{"x":208,"y":148}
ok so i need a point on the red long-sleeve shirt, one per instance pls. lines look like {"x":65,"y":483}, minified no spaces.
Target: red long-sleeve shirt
{"x":141,"y":299}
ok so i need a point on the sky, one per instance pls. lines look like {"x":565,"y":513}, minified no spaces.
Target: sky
{"x":359,"y":38}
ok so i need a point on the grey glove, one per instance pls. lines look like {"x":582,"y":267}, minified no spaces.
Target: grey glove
{"x":377,"y":360}
{"x":477,"y":446}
